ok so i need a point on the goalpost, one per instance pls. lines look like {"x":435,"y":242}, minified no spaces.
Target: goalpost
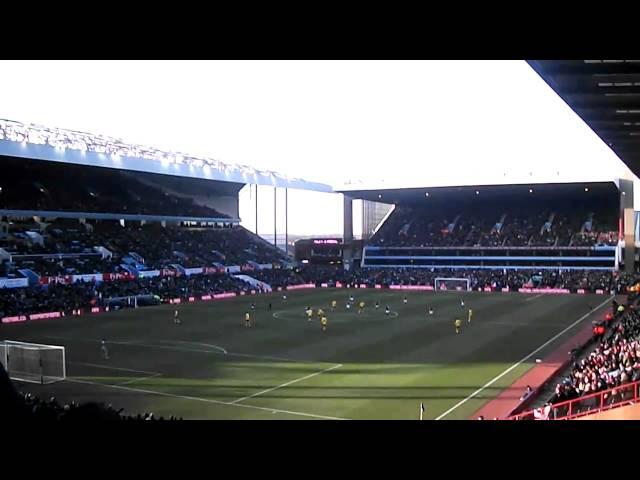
{"x":33,"y":362}
{"x":455,"y":284}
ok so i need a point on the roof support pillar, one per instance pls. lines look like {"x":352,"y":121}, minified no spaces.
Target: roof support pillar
{"x":627,"y":224}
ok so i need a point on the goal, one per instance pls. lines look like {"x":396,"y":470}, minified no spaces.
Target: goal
{"x":456,"y":284}
{"x":33,"y":362}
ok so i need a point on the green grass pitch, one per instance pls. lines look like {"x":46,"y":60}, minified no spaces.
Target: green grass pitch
{"x":365,"y":366}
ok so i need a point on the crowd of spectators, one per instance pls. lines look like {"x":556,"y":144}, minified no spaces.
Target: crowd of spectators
{"x":16,"y":406}
{"x":587,"y":239}
{"x":589,"y":280}
{"x":36,"y":186}
{"x":38,"y":409}
{"x":278,"y":277}
{"x":490,"y":225}
{"x":613,"y":363}
{"x":69,"y":249}
{"x":85,"y":295}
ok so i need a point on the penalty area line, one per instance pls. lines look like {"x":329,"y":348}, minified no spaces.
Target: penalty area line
{"x":205,"y":400}
{"x":110,"y":367}
{"x":139,"y":379}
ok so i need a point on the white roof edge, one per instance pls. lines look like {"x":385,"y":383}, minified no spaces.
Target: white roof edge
{"x":38,"y":142}
{"x":376,"y":186}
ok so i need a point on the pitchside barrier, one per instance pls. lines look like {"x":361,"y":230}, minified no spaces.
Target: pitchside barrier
{"x":586,"y":405}
{"x":219,"y":296}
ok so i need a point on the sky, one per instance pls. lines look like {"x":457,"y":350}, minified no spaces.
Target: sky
{"x":381,"y":123}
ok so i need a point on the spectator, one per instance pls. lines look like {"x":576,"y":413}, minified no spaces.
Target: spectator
{"x":528,"y":392}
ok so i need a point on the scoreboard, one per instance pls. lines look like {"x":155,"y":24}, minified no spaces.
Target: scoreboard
{"x":319,"y":251}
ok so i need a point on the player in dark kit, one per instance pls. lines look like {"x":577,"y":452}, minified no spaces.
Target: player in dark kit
{"x":104,"y":349}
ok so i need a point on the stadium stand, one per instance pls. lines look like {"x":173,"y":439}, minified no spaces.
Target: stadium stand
{"x":117,"y":294}
{"x":589,"y":280}
{"x":601,"y":374}
{"x":163,"y":288}
{"x":45,"y":186}
{"x":73,"y":249}
{"x":614,"y":362}
{"x":552,"y":222}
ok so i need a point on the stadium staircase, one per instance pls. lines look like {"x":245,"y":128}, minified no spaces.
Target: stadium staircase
{"x":497,"y":228}
{"x":32,"y":277}
{"x":104,"y":252}
{"x":453,"y":224}
{"x":588,"y":225}
{"x":548,"y":224}
{"x":178,"y":268}
{"x":129,"y":269}
{"x":253,"y":282}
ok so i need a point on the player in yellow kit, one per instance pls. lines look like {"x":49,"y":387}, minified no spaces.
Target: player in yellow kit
{"x":361,"y":307}
{"x":323,"y":322}
{"x":458,"y":324}
{"x":470,"y":315}
{"x":309,"y":314}
{"x":334,"y":304}
{"x":247,"y":319}
{"x":320,"y":313}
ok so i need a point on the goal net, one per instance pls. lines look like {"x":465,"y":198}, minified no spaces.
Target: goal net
{"x":455,"y":284}
{"x":33,"y":362}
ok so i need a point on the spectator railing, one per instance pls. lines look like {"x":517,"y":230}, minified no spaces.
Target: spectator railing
{"x":620,"y":396}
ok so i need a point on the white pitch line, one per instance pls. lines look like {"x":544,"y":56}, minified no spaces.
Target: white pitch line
{"x":225,"y":352}
{"x":515,"y":365}
{"x":183,"y":349}
{"x":139,"y":379}
{"x":109,"y":367}
{"x":286,"y":384}
{"x":198,"y":343}
{"x":206,"y":400}
{"x":533,"y":298}
{"x":266,"y":357}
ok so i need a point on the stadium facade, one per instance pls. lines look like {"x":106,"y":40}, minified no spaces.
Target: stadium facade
{"x":215,"y":185}
{"x":616,"y":193}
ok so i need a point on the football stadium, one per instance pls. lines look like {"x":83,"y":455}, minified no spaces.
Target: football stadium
{"x":138,"y":283}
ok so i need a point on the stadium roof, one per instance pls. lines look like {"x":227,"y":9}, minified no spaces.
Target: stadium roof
{"x":606,"y":95}
{"x":55,"y":144}
{"x":408,"y":196}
